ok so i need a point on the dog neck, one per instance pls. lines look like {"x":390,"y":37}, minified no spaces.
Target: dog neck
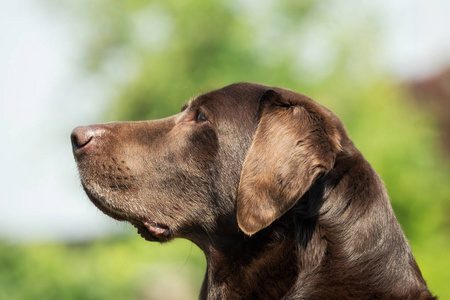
{"x":263,"y":266}
{"x":309,"y":251}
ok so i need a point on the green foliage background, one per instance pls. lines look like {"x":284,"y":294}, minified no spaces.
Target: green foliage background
{"x":154,"y":55}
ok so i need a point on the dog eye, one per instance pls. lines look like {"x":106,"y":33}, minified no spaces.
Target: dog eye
{"x":201,"y":117}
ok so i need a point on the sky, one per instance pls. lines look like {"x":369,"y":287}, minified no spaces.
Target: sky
{"x":41,"y":100}
{"x":43,"y":96}
{"x":415,"y":37}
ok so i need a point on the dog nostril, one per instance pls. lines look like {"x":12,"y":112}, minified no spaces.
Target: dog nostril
{"x":81,"y":136}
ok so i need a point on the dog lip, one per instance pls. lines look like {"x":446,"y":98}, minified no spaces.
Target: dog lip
{"x":150,"y":230}
{"x":157,"y":229}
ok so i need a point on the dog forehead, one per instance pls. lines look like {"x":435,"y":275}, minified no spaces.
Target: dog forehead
{"x":238,"y":97}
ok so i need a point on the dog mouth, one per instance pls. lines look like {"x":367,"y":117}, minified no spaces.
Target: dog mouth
{"x":151,"y":231}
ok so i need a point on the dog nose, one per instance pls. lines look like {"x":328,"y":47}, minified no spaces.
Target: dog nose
{"x":81,"y":136}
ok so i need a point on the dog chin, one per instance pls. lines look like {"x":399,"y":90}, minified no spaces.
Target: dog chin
{"x":97,"y":200}
{"x":148,"y":229}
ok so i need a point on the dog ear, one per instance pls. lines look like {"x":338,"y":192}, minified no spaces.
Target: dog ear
{"x":294,"y":144}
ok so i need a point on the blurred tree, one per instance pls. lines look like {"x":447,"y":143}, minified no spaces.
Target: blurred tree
{"x":157,"y":54}
{"x":154,"y":55}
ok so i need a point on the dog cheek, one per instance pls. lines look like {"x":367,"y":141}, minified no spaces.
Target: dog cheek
{"x":202,"y":148}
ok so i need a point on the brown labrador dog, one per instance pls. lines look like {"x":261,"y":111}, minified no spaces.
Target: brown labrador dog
{"x":268,"y":184}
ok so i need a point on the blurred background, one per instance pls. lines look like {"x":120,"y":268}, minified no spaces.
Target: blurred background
{"x":382,"y":66}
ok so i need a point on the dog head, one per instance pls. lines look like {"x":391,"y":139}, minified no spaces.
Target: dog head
{"x":237,"y":157}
